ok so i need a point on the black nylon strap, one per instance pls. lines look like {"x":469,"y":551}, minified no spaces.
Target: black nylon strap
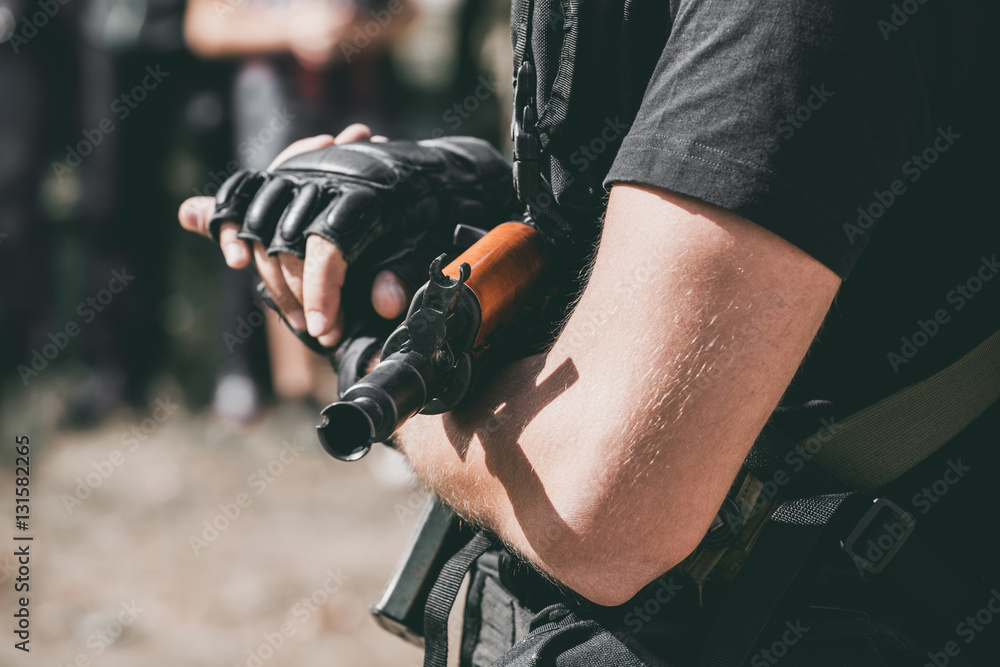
{"x":522,"y":41}
{"x":442,"y":597}
{"x":767,"y":574}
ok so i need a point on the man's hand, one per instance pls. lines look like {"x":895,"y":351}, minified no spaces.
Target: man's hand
{"x":307,"y":291}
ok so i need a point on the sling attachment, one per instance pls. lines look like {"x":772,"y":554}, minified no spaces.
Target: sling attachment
{"x":524,"y":134}
{"x":442,"y":597}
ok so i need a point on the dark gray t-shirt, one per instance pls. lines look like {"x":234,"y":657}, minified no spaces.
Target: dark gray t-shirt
{"x":862,"y":132}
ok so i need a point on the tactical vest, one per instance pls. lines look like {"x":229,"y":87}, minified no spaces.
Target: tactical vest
{"x":580,"y":71}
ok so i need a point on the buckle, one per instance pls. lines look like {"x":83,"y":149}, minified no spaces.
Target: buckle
{"x":726,"y":526}
{"x":878,"y":536}
{"x":525,"y":135}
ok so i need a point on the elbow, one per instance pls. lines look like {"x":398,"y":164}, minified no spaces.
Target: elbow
{"x":612,"y":579}
{"x":610,"y":559}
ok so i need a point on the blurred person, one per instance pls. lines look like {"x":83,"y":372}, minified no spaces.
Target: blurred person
{"x":36,"y":114}
{"x":302,"y":63}
{"x":136,"y":79}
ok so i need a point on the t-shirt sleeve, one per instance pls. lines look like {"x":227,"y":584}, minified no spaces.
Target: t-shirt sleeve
{"x":803,"y":117}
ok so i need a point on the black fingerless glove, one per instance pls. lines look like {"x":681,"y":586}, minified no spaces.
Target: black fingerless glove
{"x":392,"y":205}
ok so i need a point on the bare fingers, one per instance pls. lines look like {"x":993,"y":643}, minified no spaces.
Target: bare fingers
{"x":390,"y":297}
{"x":355,"y":132}
{"x":194,"y":215}
{"x":323,"y":276}
{"x":269,"y":269}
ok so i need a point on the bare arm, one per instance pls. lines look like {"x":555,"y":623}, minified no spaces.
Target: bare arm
{"x":605,"y":460}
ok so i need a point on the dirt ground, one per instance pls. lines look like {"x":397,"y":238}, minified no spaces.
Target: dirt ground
{"x":135,"y":562}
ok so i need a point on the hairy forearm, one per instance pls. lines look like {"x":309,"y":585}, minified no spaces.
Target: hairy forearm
{"x":618,"y":446}
{"x":505,"y":465}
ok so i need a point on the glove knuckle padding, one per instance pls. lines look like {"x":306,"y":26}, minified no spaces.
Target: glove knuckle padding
{"x":266,"y":209}
{"x":305,"y":205}
{"x":351,"y":221}
{"x":362,"y":161}
{"x":391,"y":205}
{"x":233,"y":198}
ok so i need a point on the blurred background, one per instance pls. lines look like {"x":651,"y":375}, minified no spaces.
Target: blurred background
{"x":181,"y":508}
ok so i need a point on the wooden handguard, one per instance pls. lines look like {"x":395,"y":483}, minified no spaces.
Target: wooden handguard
{"x":505,"y":264}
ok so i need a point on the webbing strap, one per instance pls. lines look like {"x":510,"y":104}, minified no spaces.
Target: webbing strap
{"x":880,"y":443}
{"x":769,"y":571}
{"x":522,"y":36}
{"x":442,"y":597}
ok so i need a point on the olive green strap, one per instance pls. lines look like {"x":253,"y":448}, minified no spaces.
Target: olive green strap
{"x":878,"y":444}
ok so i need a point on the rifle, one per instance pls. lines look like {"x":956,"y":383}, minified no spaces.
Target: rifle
{"x":428,"y":365}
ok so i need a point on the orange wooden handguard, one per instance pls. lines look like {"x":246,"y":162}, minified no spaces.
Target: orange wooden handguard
{"x":505,"y":264}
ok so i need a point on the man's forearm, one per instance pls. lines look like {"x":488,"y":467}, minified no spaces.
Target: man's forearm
{"x":605,"y":460}
{"x":491,"y":460}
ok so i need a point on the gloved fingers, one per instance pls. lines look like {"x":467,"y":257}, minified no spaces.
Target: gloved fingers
{"x":350,"y":221}
{"x":390,"y":296}
{"x":236,"y":252}
{"x":265,"y":210}
{"x":323,"y":277}
{"x":270,"y":272}
{"x":302,"y":210}
{"x":234,"y":196}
